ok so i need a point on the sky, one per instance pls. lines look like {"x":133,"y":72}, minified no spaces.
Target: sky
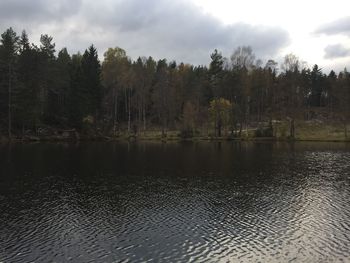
{"x":188,"y":31}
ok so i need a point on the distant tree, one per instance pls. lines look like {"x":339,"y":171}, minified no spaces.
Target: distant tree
{"x":150,"y":71}
{"x":8,"y":52}
{"x":85,"y":88}
{"x":272,"y":66}
{"x":258,"y":92}
{"x":243,"y":63}
{"x":189,"y":117}
{"x":23,"y":42}
{"x":42,"y":89}
{"x":202,"y":94}
{"x":114,"y":67}
{"x":161,"y":95}
{"x":48,"y":76}
{"x":47,"y":47}
{"x":317,"y":87}
{"x":215,"y":78}
{"x":270,"y":89}
{"x":220,"y":110}
{"x":91,"y":81}
{"x":291,"y":63}
{"x":144,"y":72}
{"x":289,"y":81}
{"x":77,"y":96}
{"x":331,"y":92}
{"x":129,"y":79}
{"x":30,"y":81}
{"x":60,"y":100}
{"x":343,"y":94}
{"x":243,"y":57}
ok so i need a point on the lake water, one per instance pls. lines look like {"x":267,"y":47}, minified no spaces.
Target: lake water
{"x":175,"y":202}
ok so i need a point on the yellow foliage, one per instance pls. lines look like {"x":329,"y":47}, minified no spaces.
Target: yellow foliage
{"x":220,"y":107}
{"x":88,"y":119}
{"x":220,"y":111}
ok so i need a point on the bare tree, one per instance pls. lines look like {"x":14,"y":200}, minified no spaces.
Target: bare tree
{"x":243,"y":57}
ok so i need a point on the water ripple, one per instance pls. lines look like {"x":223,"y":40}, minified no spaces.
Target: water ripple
{"x":293,"y":207}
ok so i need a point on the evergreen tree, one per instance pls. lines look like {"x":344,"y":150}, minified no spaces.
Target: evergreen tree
{"x":161,"y":95}
{"x":37,"y":90}
{"x":28,"y":97}
{"x":215,"y":77}
{"x":8,"y":54}
{"x":58,"y":109}
{"x":91,"y":71}
{"x":48,"y":77}
{"x":85,"y":88}
{"x":316,"y":86}
{"x":77,"y":96}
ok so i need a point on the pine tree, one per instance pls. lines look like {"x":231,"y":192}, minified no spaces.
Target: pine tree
{"x":28,"y":95}
{"x":8,"y":55}
{"x":91,"y":70}
{"x":48,"y":76}
{"x":86,"y":88}
{"x":215,"y":77}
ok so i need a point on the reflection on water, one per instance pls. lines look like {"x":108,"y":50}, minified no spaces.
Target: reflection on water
{"x":194,"y":202}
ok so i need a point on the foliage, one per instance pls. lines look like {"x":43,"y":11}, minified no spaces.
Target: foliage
{"x":42,"y":87}
{"x":220,"y":111}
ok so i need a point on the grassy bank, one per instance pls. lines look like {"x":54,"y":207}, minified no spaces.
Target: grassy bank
{"x":304,"y":131}
{"x":312,"y":131}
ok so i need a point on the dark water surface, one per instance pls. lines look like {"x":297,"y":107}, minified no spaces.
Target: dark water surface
{"x":194,"y":202}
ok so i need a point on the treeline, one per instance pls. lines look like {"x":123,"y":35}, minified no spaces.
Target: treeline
{"x":41,"y":90}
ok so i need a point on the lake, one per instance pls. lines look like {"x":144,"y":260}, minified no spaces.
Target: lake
{"x":175,"y":202}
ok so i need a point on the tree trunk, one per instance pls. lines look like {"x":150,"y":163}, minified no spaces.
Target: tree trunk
{"x":129,"y":111}
{"x":163,"y":127}
{"x":115,"y":113}
{"x":247,"y":116}
{"x":9,"y":105}
{"x":292,"y":128}
{"x":139,"y":117}
{"x":240,"y":127}
{"x":126,"y":103}
{"x":346,"y":130}
{"x":216,"y":119}
{"x":219,"y":126}
{"x":144,"y":117}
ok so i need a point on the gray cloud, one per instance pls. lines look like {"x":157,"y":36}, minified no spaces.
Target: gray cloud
{"x":340,"y":26}
{"x":336,"y":51}
{"x":160,"y":28}
{"x":37,"y":11}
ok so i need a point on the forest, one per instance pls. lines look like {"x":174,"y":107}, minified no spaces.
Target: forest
{"x":47,"y":92}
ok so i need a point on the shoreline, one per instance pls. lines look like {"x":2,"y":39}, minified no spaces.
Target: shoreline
{"x":133,"y":138}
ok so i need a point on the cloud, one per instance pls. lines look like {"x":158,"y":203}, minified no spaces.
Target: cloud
{"x":180,"y":30}
{"x":340,"y":26}
{"x":161,"y":28}
{"x":336,"y":51}
{"x":37,"y":11}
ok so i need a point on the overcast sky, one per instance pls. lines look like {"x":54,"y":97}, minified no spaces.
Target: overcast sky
{"x":189,"y":30}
